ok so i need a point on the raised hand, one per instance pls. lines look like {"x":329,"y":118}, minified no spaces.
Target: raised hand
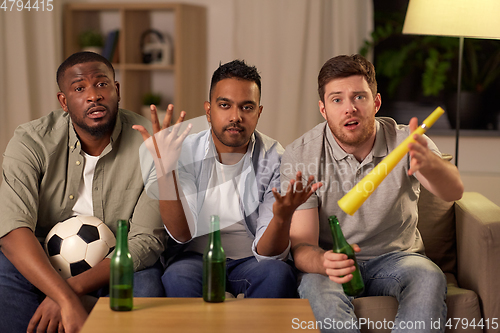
{"x":296,"y":195}
{"x":166,"y":143}
{"x":421,"y":155}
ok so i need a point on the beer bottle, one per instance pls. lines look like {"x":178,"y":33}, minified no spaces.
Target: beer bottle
{"x":356,"y":285}
{"x":214,"y":265}
{"x":121,"y":278}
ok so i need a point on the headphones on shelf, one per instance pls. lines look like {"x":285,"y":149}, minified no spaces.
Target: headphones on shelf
{"x":156,"y":50}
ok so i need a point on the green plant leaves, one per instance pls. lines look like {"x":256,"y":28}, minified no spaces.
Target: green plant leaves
{"x":434,"y":77}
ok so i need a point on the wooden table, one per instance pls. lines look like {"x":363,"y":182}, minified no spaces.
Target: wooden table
{"x":194,"y":315}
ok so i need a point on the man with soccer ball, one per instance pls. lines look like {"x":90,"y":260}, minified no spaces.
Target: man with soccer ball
{"x":81,"y":160}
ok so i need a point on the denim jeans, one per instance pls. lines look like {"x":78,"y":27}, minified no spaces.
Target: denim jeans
{"x":414,"y":280}
{"x":255,"y":279}
{"x":19,"y":299}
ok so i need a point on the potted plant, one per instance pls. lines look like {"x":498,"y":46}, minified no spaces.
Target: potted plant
{"x":91,"y":41}
{"x":480,"y":74}
{"x":400,"y":56}
{"x":148,"y":99}
{"x":431,"y":62}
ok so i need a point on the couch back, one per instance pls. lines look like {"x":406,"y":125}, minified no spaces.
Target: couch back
{"x":436,"y":223}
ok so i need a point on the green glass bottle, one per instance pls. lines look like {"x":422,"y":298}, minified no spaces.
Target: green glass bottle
{"x":214,"y":265}
{"x":121,"y":280}
{"x":356,"y":286}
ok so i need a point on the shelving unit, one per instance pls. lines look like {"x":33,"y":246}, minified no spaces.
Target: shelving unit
{"x":182,"y":83}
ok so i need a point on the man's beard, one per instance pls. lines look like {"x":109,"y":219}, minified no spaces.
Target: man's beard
{"x":100,"y":130}
{"x":345,"y":139}
{"x":227,"y":143}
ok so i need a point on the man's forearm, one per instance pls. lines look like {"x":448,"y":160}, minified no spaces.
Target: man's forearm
{"x":172,"y":208}
{"x":308,"y":258}
{"x":24,"y":251}
{"x":275,"y":239}
{"x":443,"y":181}
{"x":92,"y":279}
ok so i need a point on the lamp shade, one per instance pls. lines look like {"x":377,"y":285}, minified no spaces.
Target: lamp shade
{"x":460,"y":18}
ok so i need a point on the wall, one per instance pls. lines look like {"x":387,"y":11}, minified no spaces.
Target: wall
{"x":478,"y":162}
{"x":220,"y":28}
{"x":479,"y":158}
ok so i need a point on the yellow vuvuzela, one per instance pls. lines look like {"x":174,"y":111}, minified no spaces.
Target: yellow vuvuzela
{"x":350,"y":202}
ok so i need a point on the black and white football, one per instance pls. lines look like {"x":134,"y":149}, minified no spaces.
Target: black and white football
{"x":77,"y":244}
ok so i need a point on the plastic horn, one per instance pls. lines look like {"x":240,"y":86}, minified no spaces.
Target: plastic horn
{"x":350,"y":202}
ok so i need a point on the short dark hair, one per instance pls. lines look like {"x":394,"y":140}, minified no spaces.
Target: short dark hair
{"x":235,"y":69}
{"x":344,"y":66}
{"x":80,"y":58}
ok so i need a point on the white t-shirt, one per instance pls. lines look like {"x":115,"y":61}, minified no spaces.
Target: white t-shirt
{"x":222,"y":198}
{"x":83,"y":204}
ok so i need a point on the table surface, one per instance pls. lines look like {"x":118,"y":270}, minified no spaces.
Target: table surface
{"x":194,"y":315}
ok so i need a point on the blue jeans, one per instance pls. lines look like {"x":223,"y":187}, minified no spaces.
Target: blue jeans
{"x":414,"y":280}
{"x":19,"y":299}
{"x":255,"y":279}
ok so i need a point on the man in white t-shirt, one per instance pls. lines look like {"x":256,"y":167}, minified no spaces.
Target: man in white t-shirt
{"x":230,"y":170}
{"x":81,"y":159}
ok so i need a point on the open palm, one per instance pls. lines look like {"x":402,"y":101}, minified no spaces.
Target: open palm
{"x":166,"y":143}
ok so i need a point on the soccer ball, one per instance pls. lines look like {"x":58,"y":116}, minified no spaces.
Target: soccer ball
{"x":77,"y":244}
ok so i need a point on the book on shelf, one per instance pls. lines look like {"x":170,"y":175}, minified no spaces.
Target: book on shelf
{"x":110,"y":50}
{"x":116,"y":55}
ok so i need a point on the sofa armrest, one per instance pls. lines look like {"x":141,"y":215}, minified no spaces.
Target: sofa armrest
{"x":478,"y":251}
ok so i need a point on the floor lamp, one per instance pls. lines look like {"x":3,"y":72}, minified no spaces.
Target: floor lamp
{"x":455,"y":18}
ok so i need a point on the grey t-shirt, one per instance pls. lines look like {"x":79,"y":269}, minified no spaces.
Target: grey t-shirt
{"x":387,"y":221}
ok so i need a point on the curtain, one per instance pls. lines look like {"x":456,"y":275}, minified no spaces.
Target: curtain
{"x":288,"y":42}
{"x":30,"y":49}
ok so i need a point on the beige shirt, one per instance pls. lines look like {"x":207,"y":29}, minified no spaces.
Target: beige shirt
{"x":42,"y":169}
{"x":387,"y":220}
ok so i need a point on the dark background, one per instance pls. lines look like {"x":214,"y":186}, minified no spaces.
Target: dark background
{"x":402,"y":91}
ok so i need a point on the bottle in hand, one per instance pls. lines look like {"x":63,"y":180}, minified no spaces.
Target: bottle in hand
{"x":214,"y":265}
{"x":356,"y":286}
{"x":121,"y":279}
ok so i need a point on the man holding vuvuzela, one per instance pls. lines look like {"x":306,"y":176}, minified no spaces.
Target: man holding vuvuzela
{"x":383,"y":231}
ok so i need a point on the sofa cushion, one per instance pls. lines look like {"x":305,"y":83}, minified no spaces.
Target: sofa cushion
{"x":436,"y":223}
{"x":375,"y":309}
{"x":463,"y":305}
